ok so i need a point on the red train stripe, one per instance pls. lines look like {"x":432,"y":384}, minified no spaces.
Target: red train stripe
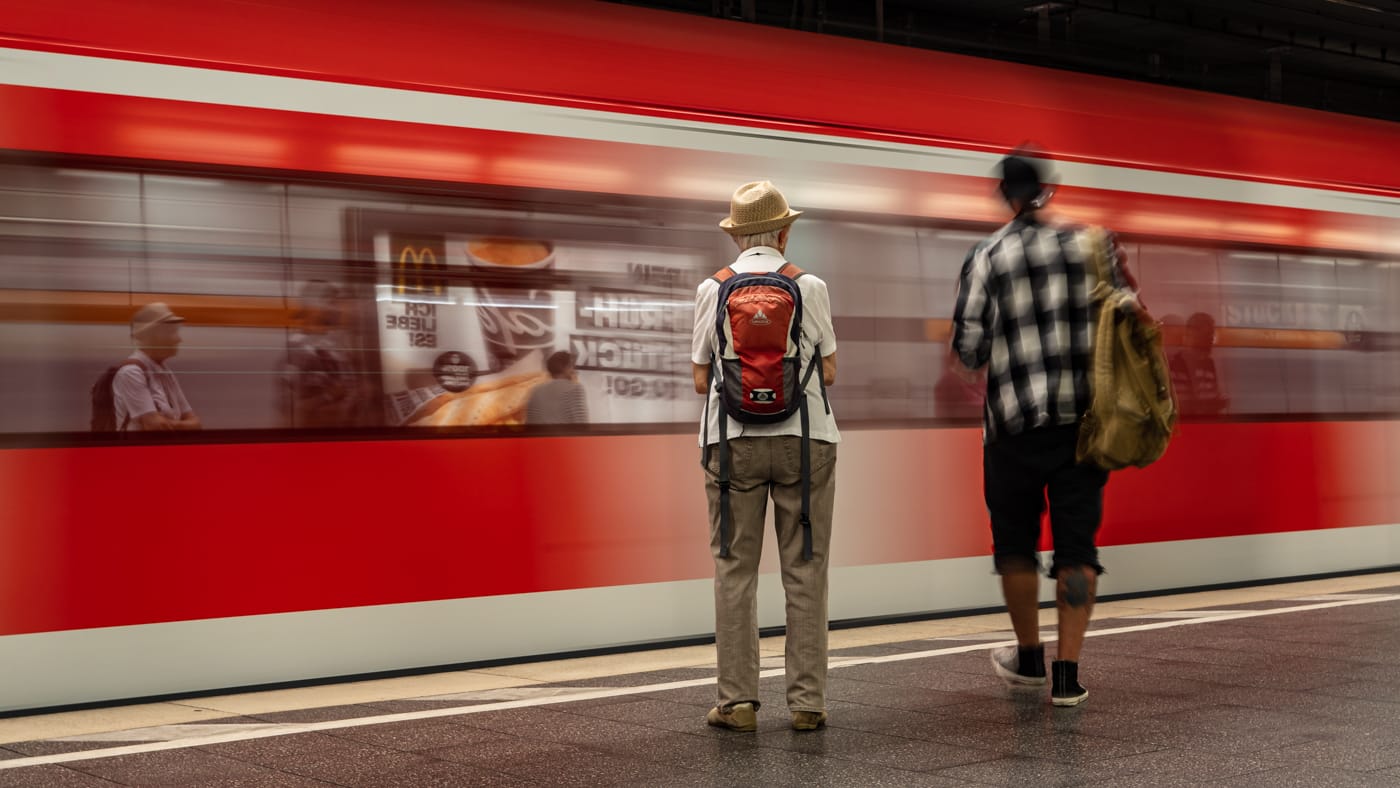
{"x":219,"y":135}
{"x":141,"y":534}
{"x":571,"y":53}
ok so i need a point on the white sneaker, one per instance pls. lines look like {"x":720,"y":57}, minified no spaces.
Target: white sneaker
{"x":1006,"y":661}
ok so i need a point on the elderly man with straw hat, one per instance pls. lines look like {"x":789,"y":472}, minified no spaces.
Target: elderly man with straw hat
{"x":145,"y":394}
{"x":763,"y":460}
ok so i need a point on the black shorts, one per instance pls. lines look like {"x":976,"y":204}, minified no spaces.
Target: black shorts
{"x":1017,"y":473}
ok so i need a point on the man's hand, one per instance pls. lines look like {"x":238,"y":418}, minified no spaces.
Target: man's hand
{"x":155,"y":422}
{"x":701,"y":373}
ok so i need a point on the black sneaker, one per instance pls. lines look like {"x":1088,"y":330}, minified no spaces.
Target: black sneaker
{"x":1066,"y":691}
{"x":1020,"y":667}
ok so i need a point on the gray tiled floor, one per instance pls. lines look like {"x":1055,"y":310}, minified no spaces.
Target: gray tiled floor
{"x":1303,"y":698}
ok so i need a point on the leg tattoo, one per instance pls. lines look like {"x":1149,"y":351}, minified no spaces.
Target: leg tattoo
{"x":1076,"y":589}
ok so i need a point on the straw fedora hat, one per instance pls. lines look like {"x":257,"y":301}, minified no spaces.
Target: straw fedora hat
{"x":757,"y":207}
{"x":151,"y":315}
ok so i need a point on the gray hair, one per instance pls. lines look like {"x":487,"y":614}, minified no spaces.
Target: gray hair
{"x":769,"y":238}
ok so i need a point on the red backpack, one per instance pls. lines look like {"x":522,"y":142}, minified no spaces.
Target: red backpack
{"x":758,"y":320}
{"x":759,"y":324}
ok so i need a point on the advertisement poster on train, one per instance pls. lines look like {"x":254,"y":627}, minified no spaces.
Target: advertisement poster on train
{"x":467,"y":324}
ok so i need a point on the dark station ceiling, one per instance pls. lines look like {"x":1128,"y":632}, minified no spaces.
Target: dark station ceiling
{"x":1335,"y":55}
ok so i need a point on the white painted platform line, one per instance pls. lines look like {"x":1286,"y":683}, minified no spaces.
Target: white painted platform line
{"x":508,"y":693}
{"x":1331,"y":597}
{"x":979,"y":636}
{"x":1184,"y":613}
{"x":233,"y":733}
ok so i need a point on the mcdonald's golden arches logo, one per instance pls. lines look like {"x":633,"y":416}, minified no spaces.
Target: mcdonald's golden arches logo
{"x":419,"y":271}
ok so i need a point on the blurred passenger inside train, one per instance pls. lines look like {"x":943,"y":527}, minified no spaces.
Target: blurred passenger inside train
{"x":1023,"y":312}
{"x":146,"y":396}
{"x":561,"y":399}
{"x":319,"y":385}
{"x":1354,"y":329}
{"x":1194,"y":377}
{"x":746,"y":463}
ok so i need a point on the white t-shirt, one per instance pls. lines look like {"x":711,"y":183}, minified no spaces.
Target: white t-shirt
{"x":148,"y":388}
{"x":817,"y":336}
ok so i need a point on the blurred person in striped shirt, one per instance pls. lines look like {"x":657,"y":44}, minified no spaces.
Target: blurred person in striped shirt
{"x":560,"y":400}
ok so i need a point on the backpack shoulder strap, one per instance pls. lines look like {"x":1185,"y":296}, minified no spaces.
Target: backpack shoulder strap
{"x":1097,"y":238}
{"x":132,"y":362}
{"x":724,"y":274}
{"x":145,"y":371}
{"x":791,"y":271}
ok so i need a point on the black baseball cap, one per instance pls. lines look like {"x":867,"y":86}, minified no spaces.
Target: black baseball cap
{"x":1021,"y":178}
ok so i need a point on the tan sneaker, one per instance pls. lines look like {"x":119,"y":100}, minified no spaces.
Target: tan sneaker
{"x":739,"y":717}
{"x":808,"y":720}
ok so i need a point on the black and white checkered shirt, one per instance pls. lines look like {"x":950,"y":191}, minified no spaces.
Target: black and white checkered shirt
{"x":1023,"y":310}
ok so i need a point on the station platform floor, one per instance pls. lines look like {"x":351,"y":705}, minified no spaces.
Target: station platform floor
{"x":1292,"y":684}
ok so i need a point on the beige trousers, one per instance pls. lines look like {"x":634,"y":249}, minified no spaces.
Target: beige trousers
{"x":760,"y":467}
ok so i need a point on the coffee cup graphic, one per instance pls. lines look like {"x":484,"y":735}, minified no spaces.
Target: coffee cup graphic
{"x":514,"y":320}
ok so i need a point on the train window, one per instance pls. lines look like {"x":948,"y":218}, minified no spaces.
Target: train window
{"x":70,"y":238}
{"x":877,"y":310}
{"x":365,"y":307}
{"x":1176,"y":282}
{"x":1370,"y":380}
{"x":212,"y":235}
{"x":1308,"y":309}
{"x":941,"y":256}
{"x":1253,"y":302}
{"x":69,"y":229}
{"x":1181,"y":285}
{"x":1387,"y":362}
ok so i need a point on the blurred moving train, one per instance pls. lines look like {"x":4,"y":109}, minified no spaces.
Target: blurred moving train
{"x":439,"y":195}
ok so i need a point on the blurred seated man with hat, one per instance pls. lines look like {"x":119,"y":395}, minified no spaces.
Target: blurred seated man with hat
{"x":764,"y":460}
{"x":145,"y":394}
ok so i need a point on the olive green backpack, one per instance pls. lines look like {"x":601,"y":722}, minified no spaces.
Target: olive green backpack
{"x":1133,"y":410}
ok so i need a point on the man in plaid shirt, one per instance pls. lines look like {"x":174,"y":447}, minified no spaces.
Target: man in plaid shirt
{"x":1024,"y":313}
